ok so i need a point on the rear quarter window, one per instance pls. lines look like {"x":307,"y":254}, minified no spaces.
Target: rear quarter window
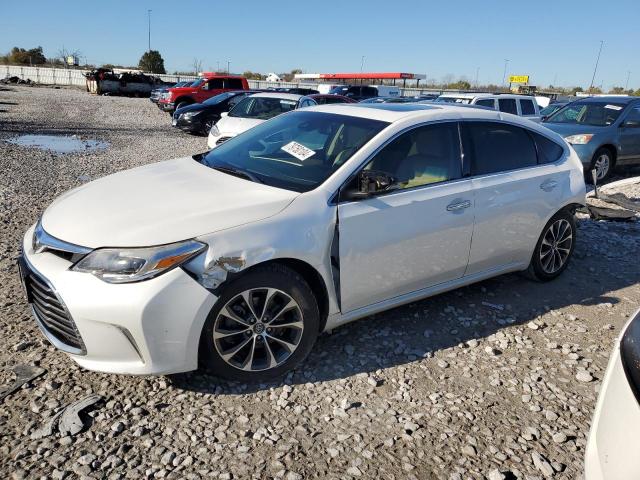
{"x":527,"y":108}
{"x":508,"y":105}
{"x":548,"y":150}
{"x":234,"y":83}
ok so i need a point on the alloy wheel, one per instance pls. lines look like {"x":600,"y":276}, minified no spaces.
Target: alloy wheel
{"x":258,"y":329}
{"x":556,"y":246}
{"x":602,"y":165}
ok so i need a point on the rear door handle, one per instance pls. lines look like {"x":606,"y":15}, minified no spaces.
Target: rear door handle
{"x":548,"y":185}
{"x":456,"y":206}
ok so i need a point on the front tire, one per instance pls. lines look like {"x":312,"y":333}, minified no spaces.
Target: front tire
{"x":603,"y":162}
{"x":554,"y":248}
{"x":263,"y":325}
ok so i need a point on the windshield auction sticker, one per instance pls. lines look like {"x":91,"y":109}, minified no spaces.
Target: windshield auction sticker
{"x":298,"y":150}
{"x":613,"y":107}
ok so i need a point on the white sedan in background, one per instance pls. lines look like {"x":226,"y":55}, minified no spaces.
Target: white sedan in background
{"x":240,"y":257}
{"x":614,"y":441}
{"x":252,"y":111}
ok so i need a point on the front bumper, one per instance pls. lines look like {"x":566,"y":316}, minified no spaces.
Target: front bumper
{"x":585,"y":153}
{"x":612,"y":449}
{"x":214,"y":140}
{"x":166,"y":106}
{"x":191,"y":124}
{"x":148,"y":327}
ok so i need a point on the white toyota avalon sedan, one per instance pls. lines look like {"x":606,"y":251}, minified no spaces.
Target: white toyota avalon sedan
{"x":238,"y":258}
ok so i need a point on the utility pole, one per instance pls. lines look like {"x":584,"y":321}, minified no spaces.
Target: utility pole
{"x":595,"y":69}
{"x":362,"y":64}
{"x":626,"y":85}
{"x":477,"y":73}
{"x":149,"y":23}
{"x":228,"y":64}
{"x":504,"y":73}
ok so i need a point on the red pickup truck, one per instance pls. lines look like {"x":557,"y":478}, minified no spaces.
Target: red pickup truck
{"x":210,"y":85}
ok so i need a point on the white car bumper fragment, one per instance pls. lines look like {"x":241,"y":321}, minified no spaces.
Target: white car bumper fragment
{"x":148,"y":327}
{"x":612,"y":448}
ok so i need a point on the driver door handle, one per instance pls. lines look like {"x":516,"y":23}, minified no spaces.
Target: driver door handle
{"x":456,"y":206}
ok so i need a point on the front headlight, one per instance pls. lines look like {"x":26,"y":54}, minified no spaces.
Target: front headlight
{"x":580,"y":139}
{"x":214,"y":131}
{"x":125,"y":265}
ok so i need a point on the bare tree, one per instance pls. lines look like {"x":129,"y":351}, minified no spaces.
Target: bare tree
{"x":63,"y":54}
{"x":197,"y":66}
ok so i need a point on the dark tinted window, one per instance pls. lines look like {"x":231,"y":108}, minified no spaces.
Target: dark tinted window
{"x":633,"y":119}
{"x":425,"y":155}
{"x":497,"y":147}
{"x":234,"y":83}
{"x":487,"y":102}
{"x":369,"y":92}
{"x":216,"y":83}
{"x":548,"y":150}
{"x":527,"y":108}
{"x":507,"y":105}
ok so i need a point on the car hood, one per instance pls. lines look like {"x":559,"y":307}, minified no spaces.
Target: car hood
{"x":159,"y":203}
{"x":231,"y":126}
{"x":566,"y":129}
{"x":195,"y":107}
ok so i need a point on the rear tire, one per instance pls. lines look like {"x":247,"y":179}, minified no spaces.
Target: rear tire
{"x":554,"y":248}
{"x":263,"y":325}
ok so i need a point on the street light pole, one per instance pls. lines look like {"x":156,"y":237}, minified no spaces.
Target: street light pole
{"x":361,"y":63}
{"x":149,"y":21}
{"x":228,"y":63}
{"x":504,"y":73}
{"x":595,"y":69}
{"x":477,"y":73}
{"x":626,"y":85}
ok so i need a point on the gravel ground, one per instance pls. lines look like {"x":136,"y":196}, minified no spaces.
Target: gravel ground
{"x":497,"y":380}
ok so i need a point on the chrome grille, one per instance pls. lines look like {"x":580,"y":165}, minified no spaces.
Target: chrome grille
{"x":50,"y":311}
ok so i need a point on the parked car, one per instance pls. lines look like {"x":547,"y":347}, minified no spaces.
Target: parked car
{"x":612,"y":448}
{"x":389,"y":100}
{"x":521,"y":105}
{"x":210,"y":85}
{"x":551,"y":109}
{"x":462,"y":98}
{"x":604,"y":132}
{"x":200,"y":117}
{"x":298,"y":90}
{"x":240,"y":257}
{"x":362,"y":92}
{"x":324,"y":99}
{"x":252,"y":111}
{"x":157,"y":93}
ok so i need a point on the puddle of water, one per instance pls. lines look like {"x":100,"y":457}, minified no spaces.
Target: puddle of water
{"x":59,"y":143}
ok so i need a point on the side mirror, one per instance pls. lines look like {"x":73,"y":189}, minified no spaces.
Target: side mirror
{"x":369,"y":183}
{"x":224,"y":114}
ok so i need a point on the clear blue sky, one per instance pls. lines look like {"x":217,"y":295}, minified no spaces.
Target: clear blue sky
{"x":545,"y":39}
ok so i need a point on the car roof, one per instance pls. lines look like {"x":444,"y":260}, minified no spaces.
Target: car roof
{"x":608,"y":98}
{"x":465,"y":95}
{"x":282,"y":95}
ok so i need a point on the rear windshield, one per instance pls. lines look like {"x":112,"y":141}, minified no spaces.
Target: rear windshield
{"x":598,"y":114}
{"x":262,"y":108}
{"x":297,"y":151}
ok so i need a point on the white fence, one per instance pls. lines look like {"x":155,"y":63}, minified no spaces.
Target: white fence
{"x":65,"y":76}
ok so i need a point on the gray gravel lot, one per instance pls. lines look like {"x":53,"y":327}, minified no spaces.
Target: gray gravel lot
{"x":497,"y":380}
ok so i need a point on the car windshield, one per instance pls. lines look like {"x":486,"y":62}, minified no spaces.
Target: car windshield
{"x":197,"y":83}
{"x":297,"y":151}
{"x":338,"y":90}
{"x":598,"y":114}
{"x":550,"y":109}
{"x":219,"y":98}
{"x":262,"y":108}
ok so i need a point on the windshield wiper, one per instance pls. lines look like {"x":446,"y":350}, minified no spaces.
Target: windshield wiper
{"x":238,"y":173}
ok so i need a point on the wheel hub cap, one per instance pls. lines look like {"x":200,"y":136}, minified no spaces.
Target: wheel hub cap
{"x":258,"y":329}
{"x":556,"y":246}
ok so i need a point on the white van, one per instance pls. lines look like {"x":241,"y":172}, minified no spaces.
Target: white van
{"x":521,"y":105}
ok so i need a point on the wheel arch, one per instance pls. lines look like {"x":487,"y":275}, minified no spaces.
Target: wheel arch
{"x":612,"y":149}
{"x":183,"y":98}
{"x":309,"y":273}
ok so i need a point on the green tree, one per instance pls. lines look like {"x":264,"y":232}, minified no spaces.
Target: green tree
{"x":617,"y":90}
{"x":152,"y":62}
{"x":21,"y":56}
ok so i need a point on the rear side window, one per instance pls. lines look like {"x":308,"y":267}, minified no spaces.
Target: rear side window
{"x":548,"y":150}
{"x":234,"y":83}
{"x":527,"y":108}
{"x":216,"y":83}
{"x":487,"y":102}
{"x":498,"y":147}
{"x":369,"y":91}
{"x":507,"y":105}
